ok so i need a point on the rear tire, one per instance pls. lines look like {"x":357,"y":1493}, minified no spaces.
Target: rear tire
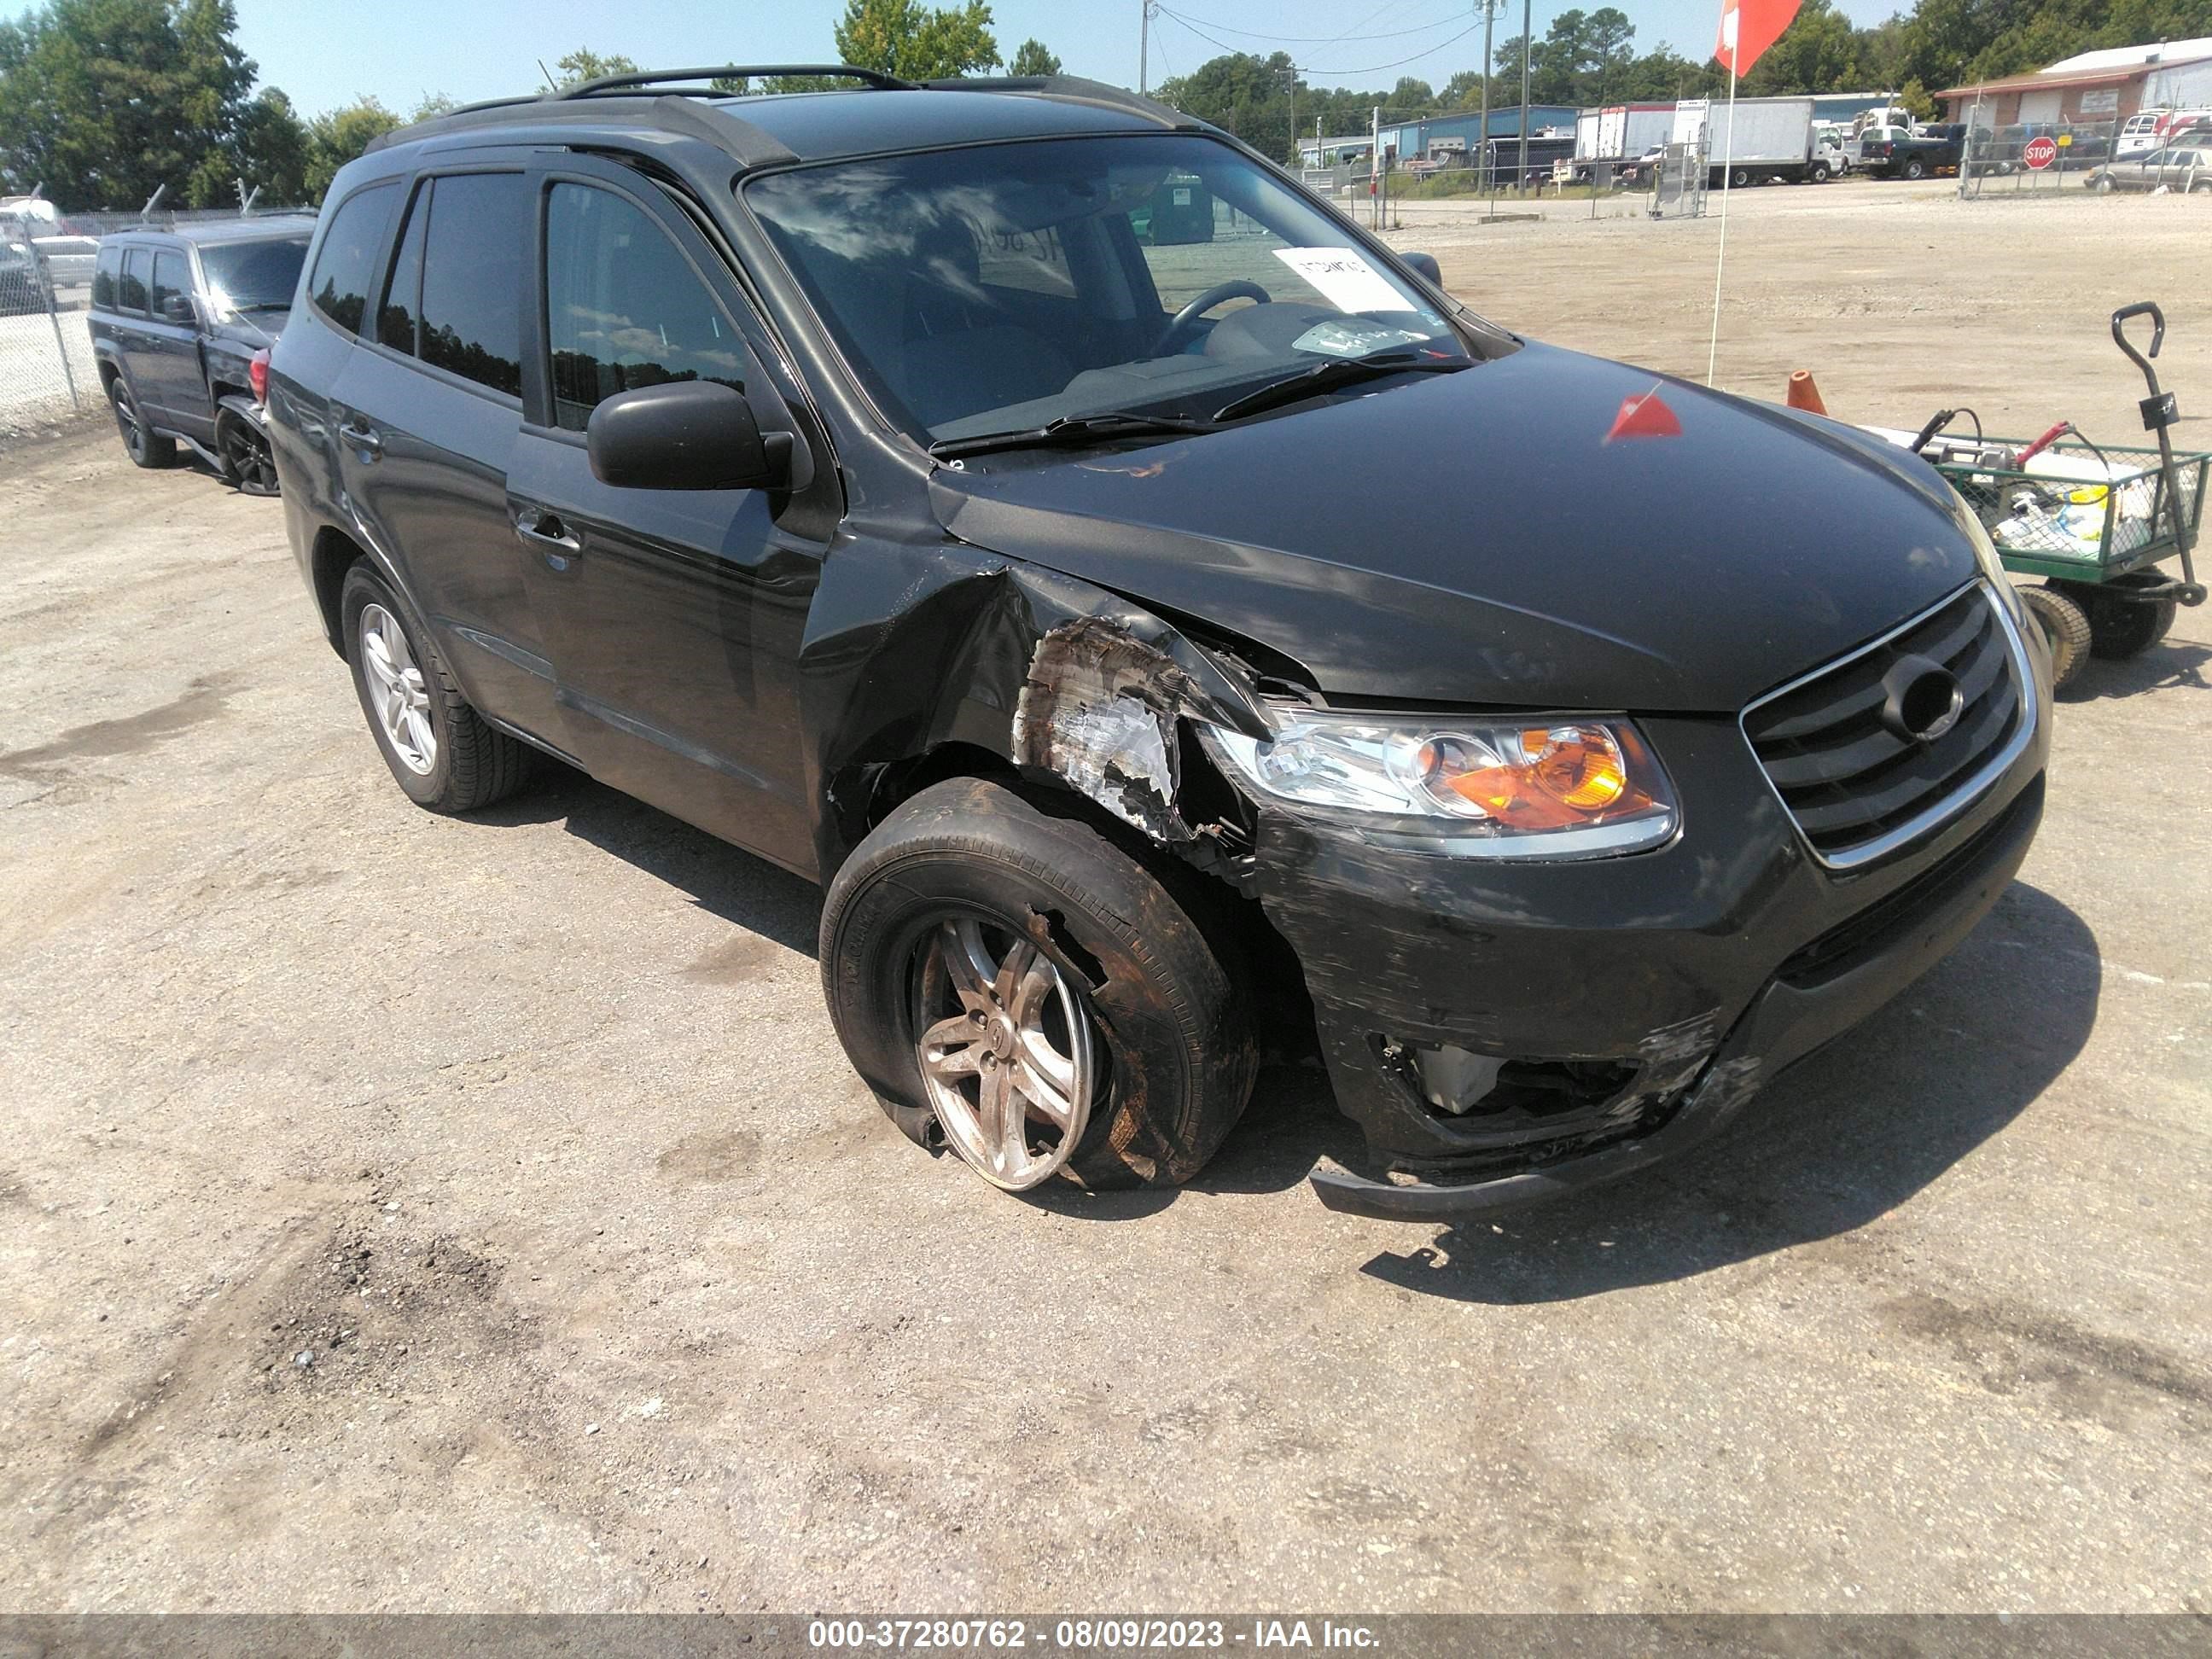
{"x":145,"y":447}
{"x":248,"y":461}
{"x":2065,"y":628}
{"x":440,"y":751}
{"x":1169,"y":1042}
{"x":1916,"y":170}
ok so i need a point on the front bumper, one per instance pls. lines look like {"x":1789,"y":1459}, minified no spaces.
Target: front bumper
{"x":1673,"y":984}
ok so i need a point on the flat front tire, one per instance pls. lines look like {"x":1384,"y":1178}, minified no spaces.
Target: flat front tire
{"x":440,"y":751}
{"x":1014,"y":985}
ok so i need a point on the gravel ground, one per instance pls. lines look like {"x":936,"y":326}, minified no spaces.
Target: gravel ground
{"x":405,"y":1212}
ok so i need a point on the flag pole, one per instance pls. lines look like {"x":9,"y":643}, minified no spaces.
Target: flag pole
{"x":1728,"y":154}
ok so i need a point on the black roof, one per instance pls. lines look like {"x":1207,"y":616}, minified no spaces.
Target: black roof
{"x":271,"y":228}
{"x":813,"y":126}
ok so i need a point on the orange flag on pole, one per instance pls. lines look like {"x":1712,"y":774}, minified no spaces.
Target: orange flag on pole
{"x":1748,"y":28}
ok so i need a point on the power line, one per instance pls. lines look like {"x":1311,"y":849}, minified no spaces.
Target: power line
{"x":1426,"y":52}
{"x":1308,"y":40}
{"x":1304,"y":68}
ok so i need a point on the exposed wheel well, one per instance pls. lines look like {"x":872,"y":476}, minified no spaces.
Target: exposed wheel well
{"x":334,"y":555}
{"x":1235,"y":921}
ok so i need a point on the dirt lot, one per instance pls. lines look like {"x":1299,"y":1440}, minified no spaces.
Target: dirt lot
{"x":615,"y":1292}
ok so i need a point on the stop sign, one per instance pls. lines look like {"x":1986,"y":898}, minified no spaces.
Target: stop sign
{"x":2041,"y":153}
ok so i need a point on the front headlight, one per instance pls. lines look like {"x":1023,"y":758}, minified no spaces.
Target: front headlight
{"x":1546,"y":788}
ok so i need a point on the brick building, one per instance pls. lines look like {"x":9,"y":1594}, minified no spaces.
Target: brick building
{"x":2093,"y":86}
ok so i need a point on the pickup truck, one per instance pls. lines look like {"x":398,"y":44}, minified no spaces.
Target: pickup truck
{"x":1915,"y":156}
{"x":182,"y":321}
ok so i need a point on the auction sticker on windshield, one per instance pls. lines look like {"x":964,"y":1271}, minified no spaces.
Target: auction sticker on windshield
{"x":1343,"y":278}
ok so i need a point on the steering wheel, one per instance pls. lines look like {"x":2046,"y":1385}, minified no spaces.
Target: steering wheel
{"x":1219,"y":294}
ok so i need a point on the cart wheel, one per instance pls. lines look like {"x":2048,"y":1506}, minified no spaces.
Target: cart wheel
{"x":2065,"y":628}
{"x":2121,"y":628}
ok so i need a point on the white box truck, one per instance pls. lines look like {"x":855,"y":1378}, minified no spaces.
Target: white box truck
{"x":1764,"y":138}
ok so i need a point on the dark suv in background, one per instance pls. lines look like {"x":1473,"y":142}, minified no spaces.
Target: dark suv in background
{"x":1021,"y":508}
{"x":182,"y":322}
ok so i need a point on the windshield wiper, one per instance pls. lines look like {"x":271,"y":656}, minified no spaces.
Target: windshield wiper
{"x":1339,"y":372}
{"x":1073,"y":429}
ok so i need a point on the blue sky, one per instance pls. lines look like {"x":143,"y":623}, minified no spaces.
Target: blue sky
{"x":324,"y":54}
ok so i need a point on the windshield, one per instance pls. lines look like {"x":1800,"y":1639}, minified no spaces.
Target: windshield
{"x":1000,"y":286}
{"x":253,"y":275}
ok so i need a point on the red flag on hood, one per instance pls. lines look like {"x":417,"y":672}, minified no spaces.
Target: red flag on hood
{"x":1748,"y":28}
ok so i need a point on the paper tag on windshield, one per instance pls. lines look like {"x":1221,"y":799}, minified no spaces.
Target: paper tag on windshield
{"x":1343,"y":278}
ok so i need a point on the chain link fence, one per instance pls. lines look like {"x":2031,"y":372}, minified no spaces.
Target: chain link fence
{"x":2036,"y":158}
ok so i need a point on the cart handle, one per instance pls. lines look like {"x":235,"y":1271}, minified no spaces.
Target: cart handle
{"x":2141,"y":308}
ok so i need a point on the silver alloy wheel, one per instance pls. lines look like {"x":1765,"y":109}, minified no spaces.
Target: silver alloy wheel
{"x":1004,"y":1046}
{"x":397,"y":690}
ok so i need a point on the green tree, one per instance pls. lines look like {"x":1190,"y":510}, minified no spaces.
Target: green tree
{"x":269,"y":150}
{"x":1031,"y":57}
{"x":908,"y":40}
{"x":1817,"y":53}
{"x":431,"y":106}
{"x":338,"y":136}
{"x":584,"y":64}
{"x":104,"y":101}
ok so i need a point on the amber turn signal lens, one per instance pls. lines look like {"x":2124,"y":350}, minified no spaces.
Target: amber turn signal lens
{"x":1572,"y":774}
{"x":1577,"y":766}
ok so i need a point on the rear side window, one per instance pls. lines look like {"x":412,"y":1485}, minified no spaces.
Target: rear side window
{"x":133,"y":296}
{"x":623,"y":306}
{"x":345,"y":265}
{"x":402,"y":290}
{"x":471,"y":315}
{"x":105,"y":271}
{"x":169,"y":280}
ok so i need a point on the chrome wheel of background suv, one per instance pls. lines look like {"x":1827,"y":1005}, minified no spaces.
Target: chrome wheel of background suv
{"x":1004,"y":1045}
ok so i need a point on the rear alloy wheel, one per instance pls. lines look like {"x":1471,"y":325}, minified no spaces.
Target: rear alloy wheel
{"x":1916,"y":170}
{"x":145,"y":447}
{"x":2065,"y":628}
{"x":248,"y":461}
{"x":440,"y":751}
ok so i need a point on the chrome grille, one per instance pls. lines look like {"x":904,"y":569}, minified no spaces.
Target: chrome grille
{"x":1858,"y":790}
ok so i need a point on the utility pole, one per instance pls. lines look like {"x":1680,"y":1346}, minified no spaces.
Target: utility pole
{"x":1527,"y":52}
{"x":1144,"y":42}
{"x":1374,"y":175}
{"x":1294,"y":116}
{"x":1482,"y":133}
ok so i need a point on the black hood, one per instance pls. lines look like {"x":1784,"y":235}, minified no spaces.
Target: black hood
{"x":1475,"y":538}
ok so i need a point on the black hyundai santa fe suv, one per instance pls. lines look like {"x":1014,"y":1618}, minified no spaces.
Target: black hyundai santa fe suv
{"x":1169,"y":624}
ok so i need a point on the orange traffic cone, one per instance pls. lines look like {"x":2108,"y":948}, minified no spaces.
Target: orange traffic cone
{"x":1804,"y":395}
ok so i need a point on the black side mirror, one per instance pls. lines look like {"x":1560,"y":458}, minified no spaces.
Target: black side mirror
{"x":1426,"y":265}
{"x":178,"y":308}
{"x":687,"y":434}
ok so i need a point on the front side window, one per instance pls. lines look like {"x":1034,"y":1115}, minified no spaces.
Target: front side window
{"x":623,"y":306}
{"x":169,"y":280}
{"x":1000,"y":288}
{"x":347,"y":259}
{"x":472,"y":254}
{"x":246,"y":277}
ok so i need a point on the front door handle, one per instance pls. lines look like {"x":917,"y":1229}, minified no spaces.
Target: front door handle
{"x":365,"y":439}
{"x":542,"y":527}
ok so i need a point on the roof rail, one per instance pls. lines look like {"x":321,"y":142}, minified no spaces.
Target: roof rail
{"x":1072,"y":88}
{"x":875,"y":78}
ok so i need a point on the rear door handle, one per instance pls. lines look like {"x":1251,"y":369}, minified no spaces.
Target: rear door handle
{"x":542,"y":527}
{"x":364,"y":439}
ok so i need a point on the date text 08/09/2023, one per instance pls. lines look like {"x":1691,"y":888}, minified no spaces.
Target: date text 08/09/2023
{"x":1086,"y":1634}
